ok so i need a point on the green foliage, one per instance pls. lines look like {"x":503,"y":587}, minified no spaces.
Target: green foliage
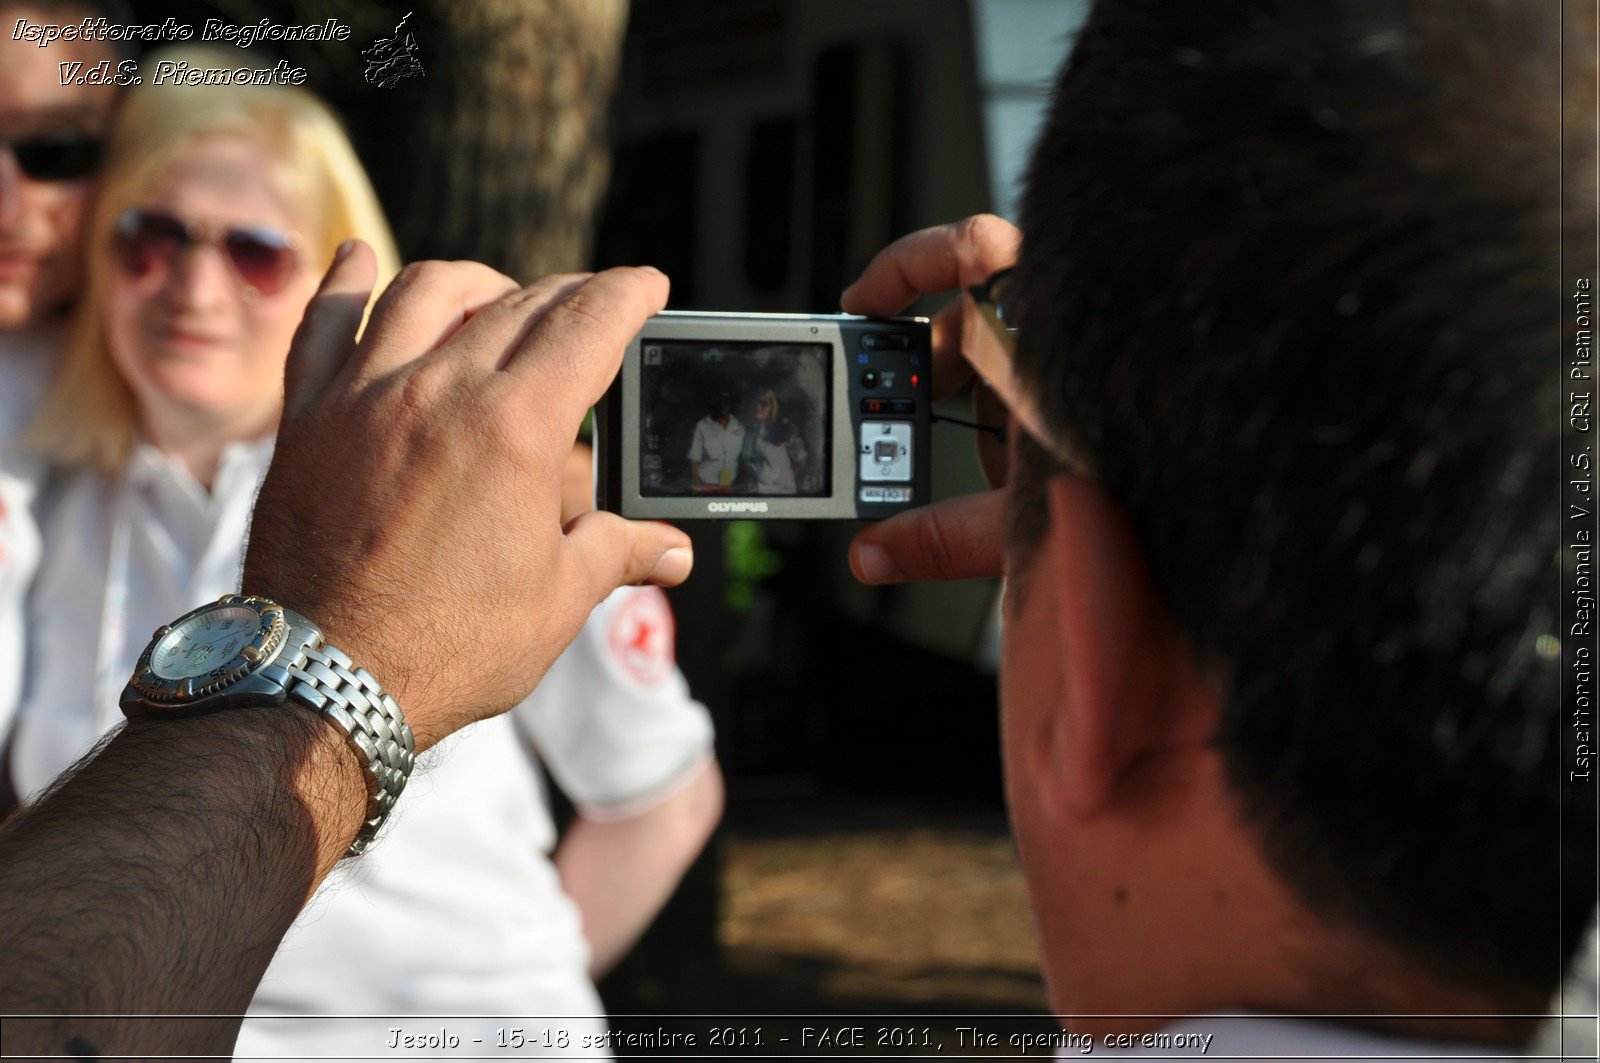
{"x":748,"y":562}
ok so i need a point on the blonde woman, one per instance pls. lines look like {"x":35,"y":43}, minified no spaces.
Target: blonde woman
{"x":219,"y":208}
{"x":774,"y":450}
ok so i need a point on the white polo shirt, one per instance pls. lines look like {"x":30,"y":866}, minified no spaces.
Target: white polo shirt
{"x":25,"y":358}
{"x":716,"y":448}
{"x":456,"y":910}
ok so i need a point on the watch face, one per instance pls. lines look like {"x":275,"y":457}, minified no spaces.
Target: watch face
{"x":201,"y":643}
{"x":208,"y":649}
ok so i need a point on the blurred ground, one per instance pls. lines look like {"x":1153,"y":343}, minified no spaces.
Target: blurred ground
{"x":933,"y":917}
{"x":867,"y":911}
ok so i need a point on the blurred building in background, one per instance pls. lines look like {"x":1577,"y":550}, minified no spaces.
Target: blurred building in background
{"x":764,"y":151}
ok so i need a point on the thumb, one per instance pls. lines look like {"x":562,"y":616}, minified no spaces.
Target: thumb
{"x":959,"y":538}
{"x":602,"y":552}
{"x":327,"y":333}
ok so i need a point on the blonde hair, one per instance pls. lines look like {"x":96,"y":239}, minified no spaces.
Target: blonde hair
{"x":89,"y":417}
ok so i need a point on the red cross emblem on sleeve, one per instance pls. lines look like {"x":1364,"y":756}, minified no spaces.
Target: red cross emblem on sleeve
{"x":643,"y":636}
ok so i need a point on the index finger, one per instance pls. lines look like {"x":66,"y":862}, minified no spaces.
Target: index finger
{"x":576,"y":347}
{"x":940,"y":259}
{"x":327,"y":333}
{"x":946,"y":257}
{"x":422,"y":308}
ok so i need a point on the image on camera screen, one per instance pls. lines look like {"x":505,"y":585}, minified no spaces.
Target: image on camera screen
{"x":733,"y":419}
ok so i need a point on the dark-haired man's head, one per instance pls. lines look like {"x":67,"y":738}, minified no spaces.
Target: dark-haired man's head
{"x":48,"y":126}
{"x":1280,"y":697}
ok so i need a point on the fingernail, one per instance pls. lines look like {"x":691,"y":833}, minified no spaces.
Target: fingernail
{"x":674,"y":566}
{"x":874,"y":565}
{"x":652,"y":269}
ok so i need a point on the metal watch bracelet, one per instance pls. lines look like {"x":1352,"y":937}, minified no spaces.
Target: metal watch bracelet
{"x":322,"y":678}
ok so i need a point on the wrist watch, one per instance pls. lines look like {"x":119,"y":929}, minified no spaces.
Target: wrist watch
{"x":243,"y":651}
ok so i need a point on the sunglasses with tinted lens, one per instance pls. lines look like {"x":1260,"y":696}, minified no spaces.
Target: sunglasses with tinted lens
{"x":63,"y":155}
{"x":262,"y":259}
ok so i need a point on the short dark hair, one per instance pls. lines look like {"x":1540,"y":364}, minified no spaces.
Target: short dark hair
{"x":1289,"y":290}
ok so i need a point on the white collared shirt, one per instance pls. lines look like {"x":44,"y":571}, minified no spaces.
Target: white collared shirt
{"x":126,"y":555}
{"x":715,"y":448}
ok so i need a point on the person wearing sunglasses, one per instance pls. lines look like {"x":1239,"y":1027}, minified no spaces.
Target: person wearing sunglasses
{"x":1277,"y":350}
{"x":218,"y":206}
{"x":774,"y":452}
{"x":49,"y":151}
{"x":201,"y":251}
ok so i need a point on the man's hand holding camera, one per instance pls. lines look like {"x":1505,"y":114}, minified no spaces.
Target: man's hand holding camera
{"x":960,"y":538}
{"x":479,"y":386}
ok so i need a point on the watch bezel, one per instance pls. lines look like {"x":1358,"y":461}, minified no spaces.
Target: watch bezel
{"x":253,"y":655}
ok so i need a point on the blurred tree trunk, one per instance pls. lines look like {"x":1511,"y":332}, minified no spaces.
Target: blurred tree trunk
{"x":500,"y":152}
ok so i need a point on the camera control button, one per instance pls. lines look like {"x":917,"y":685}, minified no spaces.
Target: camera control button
{"x":902,"y":406}
{"x":885,"y":494}
{"x":875,"y":405}
{"x":885,"y":451}
{"x":885,"y":341}
{"x":869,"y":378}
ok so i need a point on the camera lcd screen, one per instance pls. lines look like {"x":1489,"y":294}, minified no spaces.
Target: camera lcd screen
{"x":748,"y":419}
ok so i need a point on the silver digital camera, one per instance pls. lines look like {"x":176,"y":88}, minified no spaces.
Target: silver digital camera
{"x":767,"y":417}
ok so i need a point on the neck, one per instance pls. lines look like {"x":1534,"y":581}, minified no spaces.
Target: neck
{"x":197,"y":441}
{"x":1281,"y":955}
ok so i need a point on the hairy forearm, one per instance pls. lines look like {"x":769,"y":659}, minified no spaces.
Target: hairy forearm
{"x":619,"y":873}
{"x":160,"y":878}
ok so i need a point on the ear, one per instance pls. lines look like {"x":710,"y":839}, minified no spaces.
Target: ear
{"x":1128,"y":680}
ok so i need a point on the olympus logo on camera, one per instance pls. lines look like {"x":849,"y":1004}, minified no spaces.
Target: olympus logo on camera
{"x":736,"y":507}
